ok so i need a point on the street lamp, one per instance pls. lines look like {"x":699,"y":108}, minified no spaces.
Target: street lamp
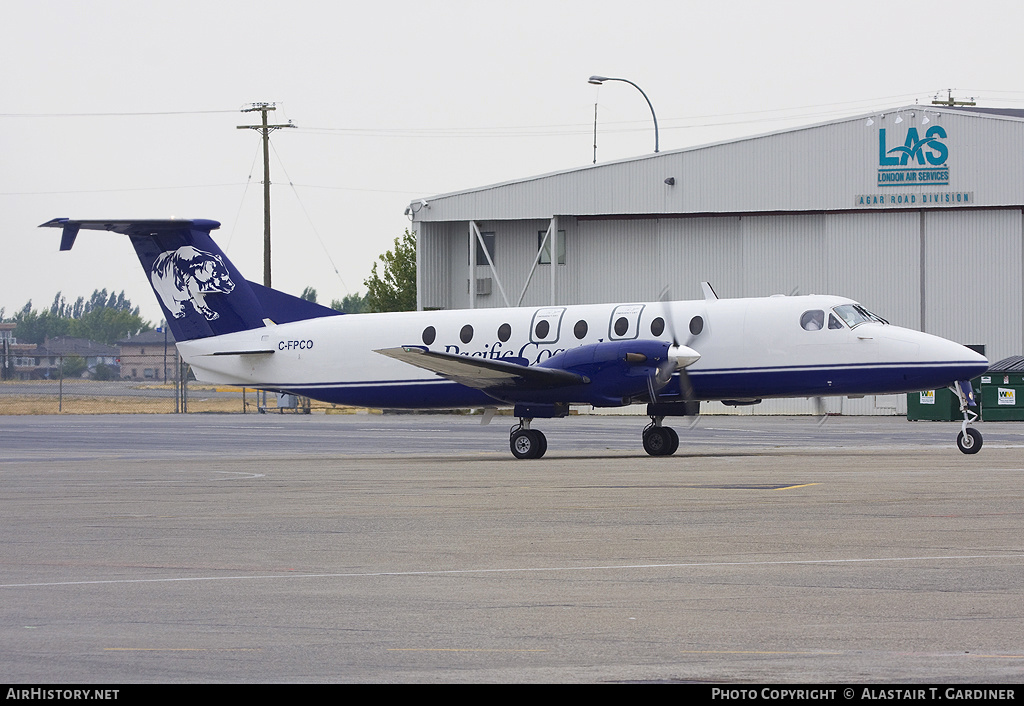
{"x":598,"y":80}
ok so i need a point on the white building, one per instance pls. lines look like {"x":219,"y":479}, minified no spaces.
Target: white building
{"x":917,"y":213}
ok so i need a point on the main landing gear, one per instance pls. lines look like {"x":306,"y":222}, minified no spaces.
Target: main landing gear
{"x":660,"y":440}
{"x":526,"y":442}
{"x":531,"y":443}
{"x":969,"y":439}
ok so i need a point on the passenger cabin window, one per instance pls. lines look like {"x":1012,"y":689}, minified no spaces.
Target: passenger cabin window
{"x":813,"y":320}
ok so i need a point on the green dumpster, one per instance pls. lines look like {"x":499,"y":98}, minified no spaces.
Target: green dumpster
{"x":933,"y":406}
{"x":1002,"y":390}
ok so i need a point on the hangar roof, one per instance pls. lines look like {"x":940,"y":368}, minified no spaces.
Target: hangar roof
{"x":1006,"y":112}
{"x":966,"y":152}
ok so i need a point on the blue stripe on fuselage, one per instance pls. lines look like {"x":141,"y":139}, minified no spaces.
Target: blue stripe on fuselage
{"x":780,"y":381}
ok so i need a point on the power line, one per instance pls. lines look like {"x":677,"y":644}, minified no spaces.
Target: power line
{"x":112,"y":115}
{"x":206,"y":186}
{"x":105,"y":191}
{"x":241,"y":202}
{"x":581,"y":128}
{"x":310,"y":220}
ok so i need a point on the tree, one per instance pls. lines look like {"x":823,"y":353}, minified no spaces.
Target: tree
{"x":309,"y":294}
{"x":107,"y":325}
{"x":35,"y":327}
{"x":103,"y":318}
{"x":350,"y":304}
{"x":395,"y":288}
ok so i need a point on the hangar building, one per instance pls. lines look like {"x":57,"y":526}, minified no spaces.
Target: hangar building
{"x":918,"y":213}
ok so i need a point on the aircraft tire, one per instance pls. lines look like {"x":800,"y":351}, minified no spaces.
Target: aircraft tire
{"x":971,"y":443}
{"x":528,"y":443}
{"x":542,"y":444}
{"x":673,"y":445}
{"x":658,"y":441}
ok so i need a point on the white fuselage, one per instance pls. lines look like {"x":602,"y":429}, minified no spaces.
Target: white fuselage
{"x":750,"y":348}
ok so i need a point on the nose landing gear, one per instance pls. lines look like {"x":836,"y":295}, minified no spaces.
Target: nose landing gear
{"x":969,"y":439}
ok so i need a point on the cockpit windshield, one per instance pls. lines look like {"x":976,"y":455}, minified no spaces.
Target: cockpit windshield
{"x":854,"y":315}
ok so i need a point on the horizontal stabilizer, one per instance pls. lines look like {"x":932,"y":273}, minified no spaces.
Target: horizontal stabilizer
{"x":152,"y":226}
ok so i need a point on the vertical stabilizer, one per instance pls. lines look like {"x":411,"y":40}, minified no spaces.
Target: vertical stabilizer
{"x":201,"y":292}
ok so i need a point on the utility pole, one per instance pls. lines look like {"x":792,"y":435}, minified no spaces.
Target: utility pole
{"x":950,"y":102}
{"x":265,"y":129}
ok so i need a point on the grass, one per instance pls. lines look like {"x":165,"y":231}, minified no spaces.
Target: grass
{"x":78,"y":397}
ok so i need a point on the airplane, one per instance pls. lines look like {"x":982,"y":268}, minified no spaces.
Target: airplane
{"x":538,"y":360}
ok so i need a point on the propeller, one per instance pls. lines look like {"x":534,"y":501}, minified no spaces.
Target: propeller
{"x":680,"y":355}
{"x":676,"y":358}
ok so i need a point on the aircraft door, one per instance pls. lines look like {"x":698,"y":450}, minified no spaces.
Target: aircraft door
{"x":546,"y":324}
{"x":625,"y":322}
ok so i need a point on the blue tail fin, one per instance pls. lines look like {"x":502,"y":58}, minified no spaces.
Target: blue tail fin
{"x":201,"y":292}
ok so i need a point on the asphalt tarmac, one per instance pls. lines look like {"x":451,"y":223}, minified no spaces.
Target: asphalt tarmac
{"x":367,"y":548}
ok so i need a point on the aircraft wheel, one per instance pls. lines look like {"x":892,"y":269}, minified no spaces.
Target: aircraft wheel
{"x":528,"y":443}
{"x":969,"y":443}
{"x":543,"y":444}
{"x":673,"y":445}
{"x":658,"y":441}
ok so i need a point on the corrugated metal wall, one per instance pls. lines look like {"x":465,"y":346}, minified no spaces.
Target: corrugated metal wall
{"x":973,"y":278}
{"x":438,"y":265}
{"x":822,"y":167}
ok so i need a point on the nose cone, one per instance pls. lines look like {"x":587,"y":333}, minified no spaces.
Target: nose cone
{"x":960,"y":359}
{"x":976,"y":363}
{"x":941,"y":361}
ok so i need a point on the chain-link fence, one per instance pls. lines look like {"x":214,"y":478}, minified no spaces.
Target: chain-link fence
{"x":62,"y":392}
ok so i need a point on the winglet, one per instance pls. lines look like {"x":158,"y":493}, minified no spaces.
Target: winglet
{"x":709,"y":291}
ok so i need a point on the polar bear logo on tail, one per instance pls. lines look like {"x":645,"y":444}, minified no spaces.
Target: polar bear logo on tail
{"x":185,"y":275}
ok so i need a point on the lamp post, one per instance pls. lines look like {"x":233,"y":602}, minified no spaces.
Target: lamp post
{"x":598,"y":80}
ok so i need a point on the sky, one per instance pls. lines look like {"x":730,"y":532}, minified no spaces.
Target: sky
{"x":120,"y":109}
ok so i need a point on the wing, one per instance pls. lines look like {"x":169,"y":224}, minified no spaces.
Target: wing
{"x":482,"y":373}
